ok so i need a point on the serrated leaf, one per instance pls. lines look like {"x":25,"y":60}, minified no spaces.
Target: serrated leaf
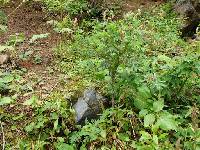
{"x":141,"y":100}
{"x":158,"y":105}
{"x":149,"y":120}
{"x":167,"y":122}
{"x":38,"y":36}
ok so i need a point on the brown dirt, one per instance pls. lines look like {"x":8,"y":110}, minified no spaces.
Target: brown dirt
{"x":30,"y":21}
{"x":133,"y":5}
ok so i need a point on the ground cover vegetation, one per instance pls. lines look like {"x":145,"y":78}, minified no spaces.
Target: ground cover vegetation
{"x":138,"y":60}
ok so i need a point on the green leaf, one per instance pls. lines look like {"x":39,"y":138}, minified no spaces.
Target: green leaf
{"x":164,"y":58}
{"x":32,"y":101}
{"x":155,"y":139}
{"x":143,"y":113}
{"x":15,"y":39}
{"x":63,"y":30}
{"x":30,"y":127}
{"x":38,"y":36}
{"x":149,"y":120}
{"x":142,"y":97}
{"x":167,"y":122}
{"x":55,"y":125}
{"x":144,"y":136}
{"x":124,"y":137}
{"x":189,"y":112}
{"x":155,"y":128}
{"x":103,"y":133}
{"x":8,"y":79}
{"x":158,"y":105}
{"x":61,"y":139}
{"x":3,"y":28}
{"x":3,"y":17}
{"x":63,"y":146}
{"x":6,"y":100}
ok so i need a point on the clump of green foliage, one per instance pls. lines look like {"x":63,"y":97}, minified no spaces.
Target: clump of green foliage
{"x":138,"y":53}
{"x":3,"y":2}
{"x":3,"y":22}
{"x":84,"y":9}
{"x":141,"y":64}
{"x":70,"y":6}
{"x":54,"y":121}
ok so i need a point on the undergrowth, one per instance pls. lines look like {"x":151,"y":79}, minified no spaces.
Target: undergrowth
{"x":139,"y":62}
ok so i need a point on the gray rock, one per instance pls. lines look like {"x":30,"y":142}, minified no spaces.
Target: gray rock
{"x":89,"y":106}
{"x":190,"y":10}
{"x":187,"y":8}
{"x":4,"y":58}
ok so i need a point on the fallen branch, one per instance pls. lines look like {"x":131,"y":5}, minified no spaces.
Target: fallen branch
{"x":17,"y":7}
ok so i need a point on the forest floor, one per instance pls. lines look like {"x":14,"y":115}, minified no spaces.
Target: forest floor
{"x":41,"y":73}
{"x":32,"y":20}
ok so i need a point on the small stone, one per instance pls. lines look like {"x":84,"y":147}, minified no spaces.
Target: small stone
{"x":89,"y":106}
{"x":4,"y":58}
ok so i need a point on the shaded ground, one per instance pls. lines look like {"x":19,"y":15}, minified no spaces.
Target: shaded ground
{"x":131,"y":5}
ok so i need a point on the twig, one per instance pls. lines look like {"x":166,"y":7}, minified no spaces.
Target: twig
{"x":17,"y":8}
{"x":133,"y":131}
{"x":3,"y":136}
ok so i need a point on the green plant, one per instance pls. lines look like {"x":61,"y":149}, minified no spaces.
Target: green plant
{"x":121,"y":53}
{"x":3,"y":22}
{"x":3,"y":2}
{"x":15,"y":39}
{"x":25,"y":55}
{"x":119,"y":128}
{"x":139,"y":62}
{"x":37,"y":59}
{"x":73,"y":7}
{"x":113,"y":129}
{"x":53,"y":120}
{"x":9,"y":83}
{"x":36,"y":37}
